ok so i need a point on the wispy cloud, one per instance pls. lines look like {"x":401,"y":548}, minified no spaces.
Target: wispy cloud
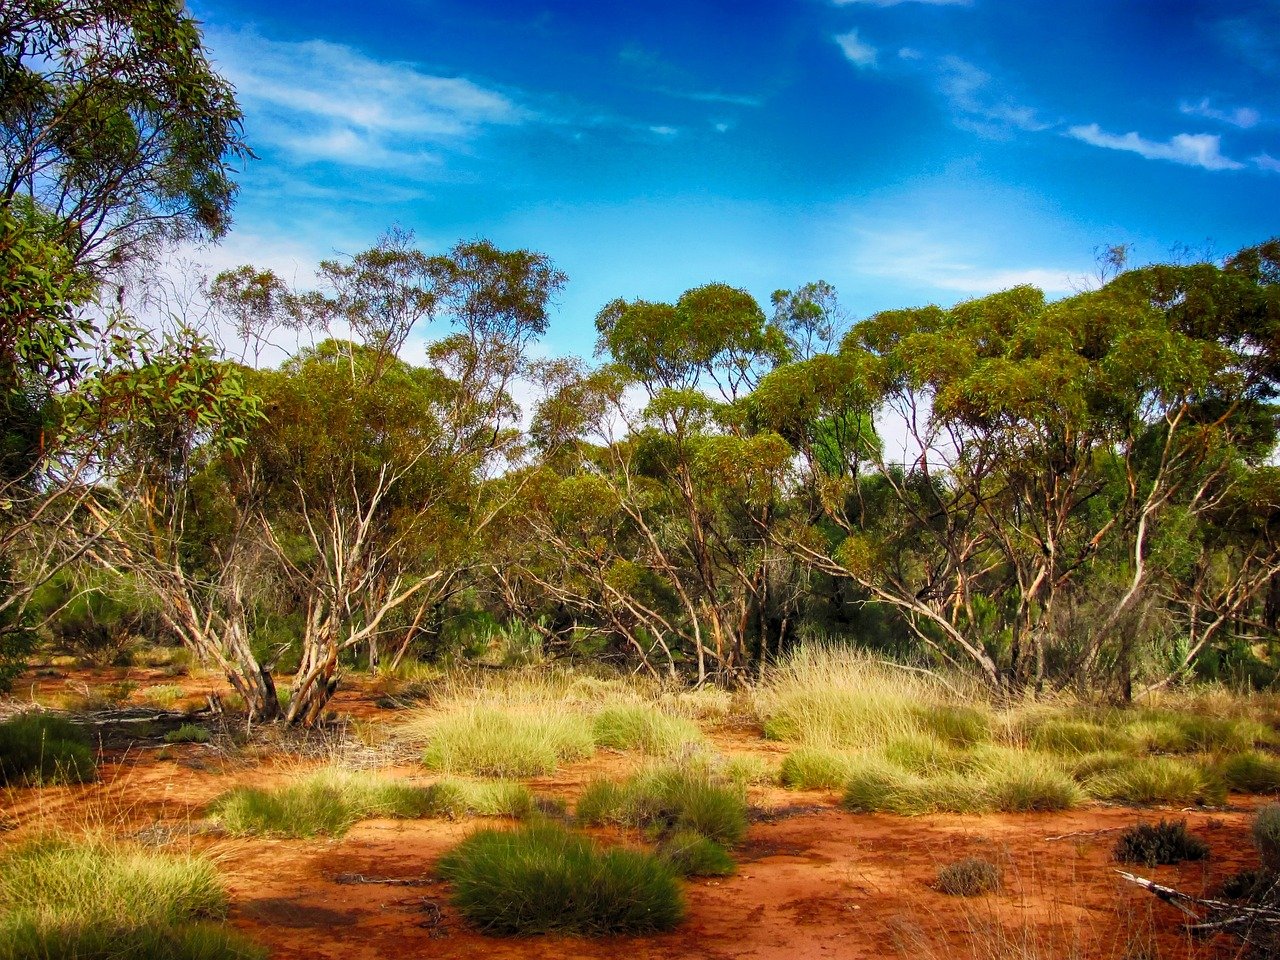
{"x":1242,"y":117}
{"x":1192,"y":149}
{"x":856,"y":50}
{"x":664,"y":131}
{"x":1264,"y":161}
{"x":979,"y":104}
{"x":712,"y":96}
{"x":322,"y":101}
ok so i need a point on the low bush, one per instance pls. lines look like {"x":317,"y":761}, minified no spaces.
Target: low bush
{"x":1251,"y":772}
{"x":545,"y":879}
{"x":1266,"y":835}
{"x":84,"y":901}
{"x":690,"y":854}
{"x":490,"y":742}
{"x":969,"y":877}
{"x":668,"y":799}
{"x":1166,"y":842}
{"x":37,"y":748}
{"x":644,"y":727}
{"x":188,"y":733}
{"x":1153,"y":780}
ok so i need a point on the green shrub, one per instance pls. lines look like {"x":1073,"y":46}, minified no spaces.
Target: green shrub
{"x":690,"y":854}
{"x":1266,"y":835}
{"x":545,"y":879}
{"x":1251,"y":772}
{"x":93,"y":901}
{"x":667,"y":799}
{"x":38,"y":748}
{"x":815,"y":768}
{"x":188,"y":733}
{"x":489,"y":742}
{"x":645,"y":728}
{"x":969,"y":877}
{"x":1157,"y":780}
{"x":1166,"y":842}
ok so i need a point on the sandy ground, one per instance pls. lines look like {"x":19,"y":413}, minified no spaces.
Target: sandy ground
{"x":813,"y":880}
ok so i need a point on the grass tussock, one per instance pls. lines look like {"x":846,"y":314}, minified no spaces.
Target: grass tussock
{"x":546,"y":879}
{"x":1251,"y":772}
{"x":970,"y":877}
{"x":188,"y":733}
{"x":329,"y":802}
{"x":816,"y":768}
{"x":690,"y":854}
{"x":36,"y":748}
{"x":486,"y":741}
{"x":1157,"y":780}
{"x":644,"y":727}
{"x":1157,"y":844}
{"x":92,"y":900}
{"x":668,"y":799}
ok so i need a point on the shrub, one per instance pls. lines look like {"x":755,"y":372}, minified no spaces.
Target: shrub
{"x":1251,"y":772}
{"x":1166,"y":842}
{"x":668,"y":799}
{"x":188,"y":733}
{"x":645,"y":728}
{"x":690,"y":854}
{"x":545,"y":879}
{"x":38,"y":748}
{"x":1266,"y":835}
{"x":968,"y":877}
{"x":1157,"y":780}
{"x":92,"y":900}
{"x":486,"y":741}
{"x":815,"y":768}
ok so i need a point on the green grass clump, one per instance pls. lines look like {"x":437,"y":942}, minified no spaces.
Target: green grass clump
{"x":644,"y":727}
{"x":926,"y":755}
{"x":1024,"y":782}
{"x":1251,"y":772}
{"x":162,"y":695}
{"x":747,"y":770}
{"x":668,"y":799}
{"x":1266,"y":835}
{"x":188,"y":733}
{"x":459,"y":798}
{"x":1167,"y":731}
{"x":545,"y":879}
{"x":1153,"y":780}
{"x":957,"y":725}
{"x":490,"y":742}
{"x":1070,"y":736}
{"x":94,"y":901}
{"x":816,"y":768}
{"x":327,"y":803}
{"x":1166,"y":842}
{"x":969,"y":877}
{"x":37,"y":748}
{"x":690,"y":854}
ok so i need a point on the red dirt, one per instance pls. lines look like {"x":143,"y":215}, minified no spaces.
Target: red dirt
{"x":813,"y":880}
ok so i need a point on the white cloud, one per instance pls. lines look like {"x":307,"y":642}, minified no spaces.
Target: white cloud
{"x":323,"y":101}
{"x":664,"y":131}
{"x":855,"y":50}
{"x":1264,"y":161}
{"x":1242,"y":117}
{"x":1192,"y":149}
{"x":910,"y":53}
{"x":969,"y":90}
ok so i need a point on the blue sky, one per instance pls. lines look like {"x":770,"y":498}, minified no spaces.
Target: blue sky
{"x":906,"y":151}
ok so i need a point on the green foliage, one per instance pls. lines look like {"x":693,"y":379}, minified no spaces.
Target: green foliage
{"x":1266,"y":835}
{"x":815,"y":768}
{"x":94,"y":901}
{"x":644,"y":727}
{"x":486,"y":741}
{"x":1064,"y":735}
{"x":188,"y":733}
{"x":969,"y":877}
{"x":1166,"y":842}
{"x":38,"y":748}
{"x":545,"y":879}
{"x":1251,"y":772}
{"x":669,"y":799}
{"x":690,"y":854}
